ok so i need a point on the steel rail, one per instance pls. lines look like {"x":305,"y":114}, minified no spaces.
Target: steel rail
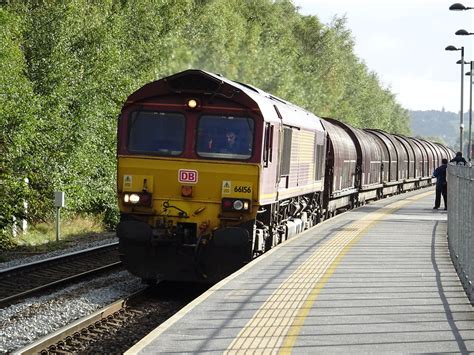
{"x":43,"y":345}
{"x":8,"y":300}
{"x":24,"y":267}
{"x":15,"y":275}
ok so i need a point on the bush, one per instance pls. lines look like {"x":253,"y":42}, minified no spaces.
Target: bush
{"x":6,"y":240}
{"x":111,"y":217}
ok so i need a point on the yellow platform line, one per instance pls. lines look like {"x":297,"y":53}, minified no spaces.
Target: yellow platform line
{"x":275,"y":327}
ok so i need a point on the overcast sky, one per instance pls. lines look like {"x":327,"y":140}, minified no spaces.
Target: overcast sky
{"x":404,"y":42}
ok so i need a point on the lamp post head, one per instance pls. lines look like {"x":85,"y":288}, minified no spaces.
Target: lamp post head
{"x":459,"y":7}
{"x":463,"y":33}
{"x":452,"y":48}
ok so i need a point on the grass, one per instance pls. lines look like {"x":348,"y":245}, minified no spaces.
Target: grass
{"x":46,"y":232}
{"x":41,"y":238}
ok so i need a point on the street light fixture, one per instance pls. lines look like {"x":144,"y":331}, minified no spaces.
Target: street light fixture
{"x":461,"y":119}
{"x":463,"y":33}
{"x":469,"y":146}
{"x":459,"y":7}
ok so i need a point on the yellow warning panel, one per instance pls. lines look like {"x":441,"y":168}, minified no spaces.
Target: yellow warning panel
{"x":243,"y":189}
{"x":226,"y":187}
{"x":137,"y":183}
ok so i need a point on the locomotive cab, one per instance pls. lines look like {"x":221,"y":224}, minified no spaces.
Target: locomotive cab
{"x":188,"y":168}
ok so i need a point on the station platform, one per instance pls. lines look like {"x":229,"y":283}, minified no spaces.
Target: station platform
{"x":375,"y":279}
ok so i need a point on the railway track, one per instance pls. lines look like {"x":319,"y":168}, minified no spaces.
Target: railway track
{"x":116,"y":327}
{"x":83,"y":330}
{"x":21,"y":281}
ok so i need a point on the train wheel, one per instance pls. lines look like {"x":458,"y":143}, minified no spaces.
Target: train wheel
{"x":379,"y":194}
{"x":319,"y":217}
{"x":327,"y":214}
{"x":268,"y":243}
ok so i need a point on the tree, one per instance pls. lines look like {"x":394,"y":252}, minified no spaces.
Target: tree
{"x":70,"y":65}
{"x":17,"y":112}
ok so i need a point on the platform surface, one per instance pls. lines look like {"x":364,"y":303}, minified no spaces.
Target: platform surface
{"x":376,"y":279}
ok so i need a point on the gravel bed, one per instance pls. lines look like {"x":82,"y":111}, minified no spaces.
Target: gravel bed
{"x":147,"y":315}
{"x":76,"y":245}
{"x":23,"y":323}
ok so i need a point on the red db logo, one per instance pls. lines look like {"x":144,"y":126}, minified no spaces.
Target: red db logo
{"x":188,"y":176}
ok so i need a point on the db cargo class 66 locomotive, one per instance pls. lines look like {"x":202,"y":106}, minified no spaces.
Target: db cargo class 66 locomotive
{"x":212,"y":173}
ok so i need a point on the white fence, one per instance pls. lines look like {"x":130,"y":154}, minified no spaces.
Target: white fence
{"x":461,"y":223}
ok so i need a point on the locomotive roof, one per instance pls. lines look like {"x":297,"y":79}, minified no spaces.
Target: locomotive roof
{"x":195,"y":81}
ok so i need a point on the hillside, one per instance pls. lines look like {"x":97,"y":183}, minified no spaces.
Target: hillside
{"x":436,"y":124}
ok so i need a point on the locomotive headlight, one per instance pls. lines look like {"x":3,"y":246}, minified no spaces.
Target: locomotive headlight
{"x":238,"y":205}
{"x":134,"y":198}
{"x":230,"y":204}
{"x":192,"y":103}
{"x":138,"y":198}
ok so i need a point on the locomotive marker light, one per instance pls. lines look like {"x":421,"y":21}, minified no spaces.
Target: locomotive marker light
{"x":192,"y":103}
{"x":137,"y":190}
{"x":186,"y":191}
{"x":134,"y":198}
{"x":58,"y":203}
{"x":138,"y":198}
{"x":235,"y":204}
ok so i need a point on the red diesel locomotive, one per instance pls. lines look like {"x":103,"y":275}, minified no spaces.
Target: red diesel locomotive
{"x":213,"y":173}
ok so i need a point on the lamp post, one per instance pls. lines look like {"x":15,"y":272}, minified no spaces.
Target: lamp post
{"x":465,"y":33}
{"x":469,"y":146}
{"x":460,"y":7}
{"x":461,"y":120}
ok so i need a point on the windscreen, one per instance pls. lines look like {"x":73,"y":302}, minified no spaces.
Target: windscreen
{"x":160,"y":133}
{"x":225,"y":137}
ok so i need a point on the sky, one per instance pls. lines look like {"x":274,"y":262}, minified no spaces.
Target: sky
{"x":404,"y":42}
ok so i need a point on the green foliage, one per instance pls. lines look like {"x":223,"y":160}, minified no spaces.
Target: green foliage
{"x":6,"y":241}
{"x":68,"y":66}
{"x":17,"y":105}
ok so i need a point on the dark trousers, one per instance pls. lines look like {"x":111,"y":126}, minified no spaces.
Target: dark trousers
{"x":441,"y":190}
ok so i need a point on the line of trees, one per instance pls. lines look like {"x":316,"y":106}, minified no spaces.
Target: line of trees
{"x":67,"y":67}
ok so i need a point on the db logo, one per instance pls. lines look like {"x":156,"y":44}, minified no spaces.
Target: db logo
{"x":188,"y":176}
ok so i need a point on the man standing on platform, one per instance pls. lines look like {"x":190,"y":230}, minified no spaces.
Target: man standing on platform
{"x":441,"y":185}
